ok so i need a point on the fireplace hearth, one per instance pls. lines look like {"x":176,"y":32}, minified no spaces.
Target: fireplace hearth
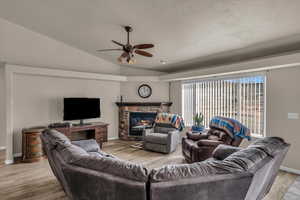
{"x":138,"y":121}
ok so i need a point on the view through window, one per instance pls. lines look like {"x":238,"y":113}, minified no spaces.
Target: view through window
{"x":241,"y":98}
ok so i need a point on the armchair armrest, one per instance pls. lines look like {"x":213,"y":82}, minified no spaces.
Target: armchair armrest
{"x":196,"y":137}
{"x":88,"y":145}
{"x":174,"y":139}
{"x":223,"y":151}
{"x":147,"y":131}
{"x":209,"y":143}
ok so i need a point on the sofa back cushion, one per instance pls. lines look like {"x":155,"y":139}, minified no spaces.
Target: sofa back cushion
{"x":88,"y":145}
{"x":246,"y":158}
{"x":114,"y":166}
{"x":271,"y":145}
{"x":72,"y":153}
{"x":198,"y":169}
{"x":56,"y":139}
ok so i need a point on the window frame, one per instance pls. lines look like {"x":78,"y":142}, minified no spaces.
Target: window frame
{"x":227,"y":77}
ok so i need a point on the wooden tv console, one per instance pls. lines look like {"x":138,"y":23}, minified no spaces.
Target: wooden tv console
{"x":97,"y":131}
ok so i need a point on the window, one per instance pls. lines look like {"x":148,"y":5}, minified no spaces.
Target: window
{"x":241,"y":98}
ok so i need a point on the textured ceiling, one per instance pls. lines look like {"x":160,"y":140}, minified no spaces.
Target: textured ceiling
{"x":188,"y":34}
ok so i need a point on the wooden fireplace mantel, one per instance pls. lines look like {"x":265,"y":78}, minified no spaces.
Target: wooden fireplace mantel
{"x":144,"y":104}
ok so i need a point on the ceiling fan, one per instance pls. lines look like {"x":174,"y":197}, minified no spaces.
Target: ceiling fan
{"x":129,"y":50}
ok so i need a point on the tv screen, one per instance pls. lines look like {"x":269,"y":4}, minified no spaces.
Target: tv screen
{"x":81,"y":108}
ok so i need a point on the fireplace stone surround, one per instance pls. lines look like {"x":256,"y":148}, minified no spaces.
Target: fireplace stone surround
{"x":125,"y":108}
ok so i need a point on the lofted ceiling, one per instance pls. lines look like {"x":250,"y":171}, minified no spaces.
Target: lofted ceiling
{"x":186,"y":34}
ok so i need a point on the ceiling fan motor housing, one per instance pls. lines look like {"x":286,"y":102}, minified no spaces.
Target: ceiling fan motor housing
{"x":128,"y":28}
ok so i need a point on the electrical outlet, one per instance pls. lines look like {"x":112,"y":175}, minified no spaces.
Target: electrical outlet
{"x":293,"y":115}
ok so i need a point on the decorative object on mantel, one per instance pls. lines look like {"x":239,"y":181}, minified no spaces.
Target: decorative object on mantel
{"x":128,"y":110}
{"x":129,"y":50}
{"x":145,"y":91}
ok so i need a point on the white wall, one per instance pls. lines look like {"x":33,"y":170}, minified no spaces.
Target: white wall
{"x":160,"y":91}
{"x":2,"y":107}
{"x":38,"y":101}
{"x":25,"y":47}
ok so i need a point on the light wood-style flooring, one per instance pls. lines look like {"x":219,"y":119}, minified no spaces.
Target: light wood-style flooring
{"x":35,"y":181}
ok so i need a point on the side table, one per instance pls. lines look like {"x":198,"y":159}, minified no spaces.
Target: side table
{"x":31,"y":144}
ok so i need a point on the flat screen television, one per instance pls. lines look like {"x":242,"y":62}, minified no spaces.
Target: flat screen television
{"x":81,"y":108}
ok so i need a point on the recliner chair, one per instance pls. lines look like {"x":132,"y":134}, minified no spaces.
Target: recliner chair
{"x":199,"y":147}
{"x":163,"y":138}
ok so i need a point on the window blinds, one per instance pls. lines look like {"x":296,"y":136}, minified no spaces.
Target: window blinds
{"x":241,"y":98}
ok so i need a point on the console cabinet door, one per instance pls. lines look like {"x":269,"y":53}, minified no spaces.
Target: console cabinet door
{"x":101,"y":134}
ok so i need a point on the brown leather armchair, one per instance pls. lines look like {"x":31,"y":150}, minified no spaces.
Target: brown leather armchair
{"x":198,"y":147}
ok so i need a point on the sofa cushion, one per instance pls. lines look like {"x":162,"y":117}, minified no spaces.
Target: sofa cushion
{"x":270,"y":145}
{"x":246,"y":158}
{"x":223,"y":151}
{"x":113,"y":166}
{"x":88,"y":145}
{"x":198,"y":169}
{"x":72,"y":153}
{"x":157,"y":138}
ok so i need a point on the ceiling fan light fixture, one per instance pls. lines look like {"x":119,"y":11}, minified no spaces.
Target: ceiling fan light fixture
{"x":131,"y":61}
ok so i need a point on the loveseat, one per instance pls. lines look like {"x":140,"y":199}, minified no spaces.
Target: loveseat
{"x":85,"y":172}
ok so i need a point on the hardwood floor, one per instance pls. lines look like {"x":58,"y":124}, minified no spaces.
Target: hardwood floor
{"x":35,"y":181}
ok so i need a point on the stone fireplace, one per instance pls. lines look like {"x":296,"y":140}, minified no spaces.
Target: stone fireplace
{"x":135,"y":116}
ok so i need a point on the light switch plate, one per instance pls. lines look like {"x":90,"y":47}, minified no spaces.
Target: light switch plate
{"x":293,"y":115}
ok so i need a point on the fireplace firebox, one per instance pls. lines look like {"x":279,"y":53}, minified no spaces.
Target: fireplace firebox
{"x":138,"y":121}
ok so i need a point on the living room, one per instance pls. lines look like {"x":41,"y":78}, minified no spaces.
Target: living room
{"x":132,"y":66}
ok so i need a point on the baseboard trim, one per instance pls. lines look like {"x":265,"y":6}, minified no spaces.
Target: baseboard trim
{"x":17,"y":155}
{"x":2,"y":148}
{"x":290,"y":170}
{"x":9,"y":162}
{"x":113,"y":138}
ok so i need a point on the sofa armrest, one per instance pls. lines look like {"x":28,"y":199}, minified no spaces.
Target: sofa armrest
{"x":88,"y":145}
{"x":223,"y":151}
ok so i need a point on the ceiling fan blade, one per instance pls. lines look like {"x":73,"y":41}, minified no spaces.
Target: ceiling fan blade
{"x":118,"y":43}
{"x":143,"y":46}
{"x":143,"y":53}
{"x":109,"y":50}
{"x":124,"y":55}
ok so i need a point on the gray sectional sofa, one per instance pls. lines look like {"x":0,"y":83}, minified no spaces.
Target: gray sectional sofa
{"x":87,"y":173}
